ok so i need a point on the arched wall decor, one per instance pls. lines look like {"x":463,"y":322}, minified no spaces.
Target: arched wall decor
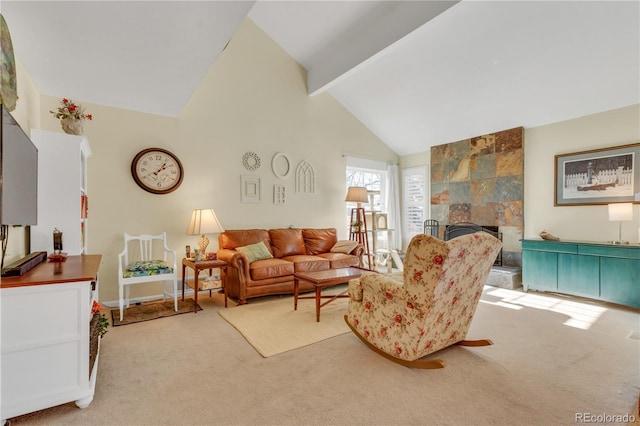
{"x":280,"y":165}
{"x":305,"y":178}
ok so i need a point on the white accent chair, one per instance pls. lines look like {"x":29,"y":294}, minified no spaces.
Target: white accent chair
{"x":146,"y":258}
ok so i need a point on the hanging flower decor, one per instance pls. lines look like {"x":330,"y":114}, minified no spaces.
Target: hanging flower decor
{"x":69,"y":109}
{"x":71,"y":116}
{"x":103,"y":321}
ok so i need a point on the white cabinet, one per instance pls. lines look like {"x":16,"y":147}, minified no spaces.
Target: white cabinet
{"x":45,"y":336}
{"x":62,"y":191}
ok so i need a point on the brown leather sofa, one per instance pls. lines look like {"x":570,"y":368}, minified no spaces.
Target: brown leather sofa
{"x":293,"y":250}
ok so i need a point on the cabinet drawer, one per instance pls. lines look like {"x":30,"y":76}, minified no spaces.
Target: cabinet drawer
{"x":552,"y":246}
{"x":611,"y":251}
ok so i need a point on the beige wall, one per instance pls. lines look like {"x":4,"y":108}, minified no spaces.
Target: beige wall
{"x":541,"y":144}
{"x":585,"y":223}
{"x":252,"y":99}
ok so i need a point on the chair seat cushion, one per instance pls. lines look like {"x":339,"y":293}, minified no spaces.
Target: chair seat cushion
{"x":143,"y":268}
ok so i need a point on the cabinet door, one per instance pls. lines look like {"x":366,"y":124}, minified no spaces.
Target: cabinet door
{"x":579,"y":275}
{"x":539,"y":270}
{"x":620,"y":281}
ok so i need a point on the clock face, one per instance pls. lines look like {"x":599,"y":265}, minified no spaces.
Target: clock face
{"x":157,"y":170}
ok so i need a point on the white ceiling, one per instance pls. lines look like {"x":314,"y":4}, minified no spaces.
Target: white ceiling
{"x":417,"y":73}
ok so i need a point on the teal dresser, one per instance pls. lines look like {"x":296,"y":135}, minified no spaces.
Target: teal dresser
{"x":588,"y":269}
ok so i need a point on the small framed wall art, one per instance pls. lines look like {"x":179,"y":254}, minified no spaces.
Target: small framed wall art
{"x":251,"y":189}
{"x":279,"y":194}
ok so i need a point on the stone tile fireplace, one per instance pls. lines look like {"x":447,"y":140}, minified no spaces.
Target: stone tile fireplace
{"x":480,"y":181}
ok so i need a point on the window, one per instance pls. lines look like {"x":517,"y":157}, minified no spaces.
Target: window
{"x":373,"y":180}
{"x":415,"y":199}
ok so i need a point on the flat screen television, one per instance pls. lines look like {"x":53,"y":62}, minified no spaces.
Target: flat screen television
{"x":18,"y":174}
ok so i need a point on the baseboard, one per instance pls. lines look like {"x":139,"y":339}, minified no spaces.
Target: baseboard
{"x":188,"y":291}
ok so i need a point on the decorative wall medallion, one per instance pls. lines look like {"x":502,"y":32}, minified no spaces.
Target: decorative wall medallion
{"x":251,"y":189}
{"x":278,"y":194}
{"x":251,"y":161}
{"x":280,"y":165}
{"x":305,"y":178}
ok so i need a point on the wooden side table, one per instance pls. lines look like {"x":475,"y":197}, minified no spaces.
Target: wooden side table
{"x":197,"y":267}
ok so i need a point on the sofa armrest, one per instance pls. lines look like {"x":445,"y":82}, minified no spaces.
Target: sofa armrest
{"x":358,"y":250}
{"x":234,"y":258}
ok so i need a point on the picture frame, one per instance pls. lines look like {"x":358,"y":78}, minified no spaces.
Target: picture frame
{"x":598,"y":176}
{"x":250,"y":189}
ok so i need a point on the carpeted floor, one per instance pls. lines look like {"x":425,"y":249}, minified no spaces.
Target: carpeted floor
{"x":553,"y":358}
{"x":150,"y":311}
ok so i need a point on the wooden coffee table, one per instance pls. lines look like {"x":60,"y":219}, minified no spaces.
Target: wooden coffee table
{"x":320,"y":280}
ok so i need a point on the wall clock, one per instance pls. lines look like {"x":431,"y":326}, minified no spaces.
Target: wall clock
{"x":157,"y":170}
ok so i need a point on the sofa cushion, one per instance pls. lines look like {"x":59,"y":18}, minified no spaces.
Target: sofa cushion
{"x":344,"y":246}
{"x":319,"y":240}
{"x":341,"y":260}
{"x":270,"y":268}
{"x":287,"y":242}
{"x":305,"y":263}
{"x":257,"y":251}
{"x":231,"y":239}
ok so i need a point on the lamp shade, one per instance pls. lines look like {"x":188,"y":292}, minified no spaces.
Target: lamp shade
{"x":357,"y":194}
{"x":620,"y":212}
{"x":204,"y":221}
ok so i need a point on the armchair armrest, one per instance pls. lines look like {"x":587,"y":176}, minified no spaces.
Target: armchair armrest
{"x":356,"y":287}
{"x":382,"y":285}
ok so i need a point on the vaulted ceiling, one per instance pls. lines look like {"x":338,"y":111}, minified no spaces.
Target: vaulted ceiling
{"x":416,"y":73}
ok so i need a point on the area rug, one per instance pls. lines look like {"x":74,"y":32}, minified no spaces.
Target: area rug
{"x":151,"y":311}
{"x":272,"y":327}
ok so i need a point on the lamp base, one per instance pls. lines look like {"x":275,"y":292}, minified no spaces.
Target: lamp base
{"x":203,"y":242}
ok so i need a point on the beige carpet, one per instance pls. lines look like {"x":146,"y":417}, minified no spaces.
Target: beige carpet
{"x":552,"y":359}
{"x":271,"y":325}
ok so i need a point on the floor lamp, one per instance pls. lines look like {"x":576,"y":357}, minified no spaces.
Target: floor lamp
{"x":358,"y":224}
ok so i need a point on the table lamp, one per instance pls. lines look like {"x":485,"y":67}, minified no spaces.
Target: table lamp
{"x":620,"y":212}
{"x":204,"y":221}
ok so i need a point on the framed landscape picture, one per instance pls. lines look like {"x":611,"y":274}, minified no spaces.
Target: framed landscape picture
{"x":599,"y":176}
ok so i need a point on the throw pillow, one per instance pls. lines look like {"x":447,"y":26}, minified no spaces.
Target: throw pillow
{"x":257,"y":251}
{"x":344,"y":246}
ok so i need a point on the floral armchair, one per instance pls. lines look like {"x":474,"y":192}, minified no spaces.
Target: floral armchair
{"x":430,"y":306}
